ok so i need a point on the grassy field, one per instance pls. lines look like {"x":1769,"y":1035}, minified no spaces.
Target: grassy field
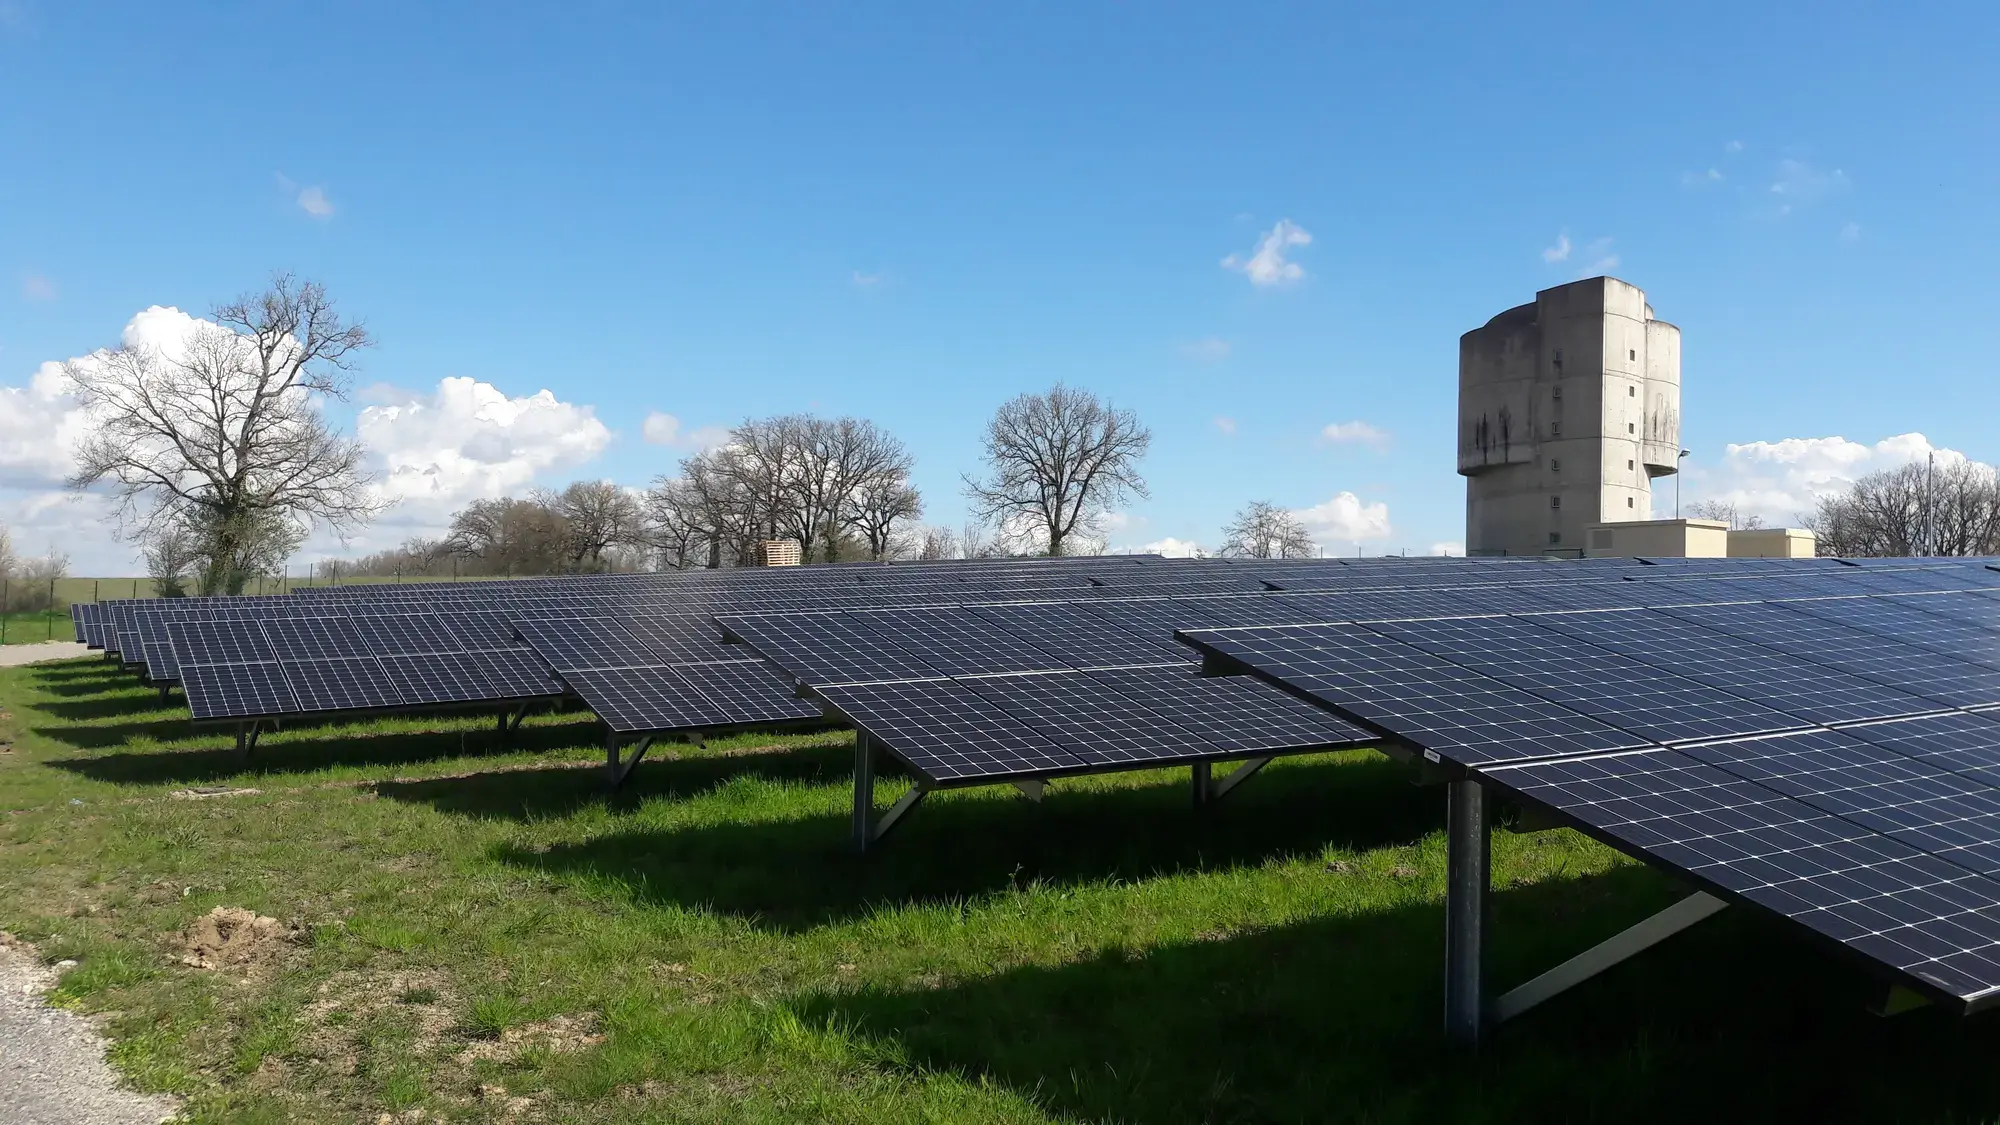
{"x":467,"y":932}
{"x":33,"y":628}
{"x":28,"y":628}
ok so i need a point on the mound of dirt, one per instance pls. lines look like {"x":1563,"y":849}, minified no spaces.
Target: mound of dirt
{"x":229,"y":936}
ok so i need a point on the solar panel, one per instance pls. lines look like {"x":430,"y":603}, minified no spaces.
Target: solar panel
{"x":584,"y":642}
{"x":1966,"y":744}
{"x":477,"y":631}
{"x":1918,"y":913}
{"x":221,"y":691}
{"x":341,"y":684}
{"x":1892,"y":663}
{"x":680,"y":638}
{"x":1776,"y":679}
{"x":1430,"y":701}
{"x":399,"y":634}
{"x":955,"y":641}
{"x":632,"y":700}
{"x":218,"y":642}
{"x":313,"y":638}
{"x":438,"y":677}
{"x":515,"y":673}
{"x":1235,"y":714}
{"x":947,"y":733}
{"x":748,"y":691}
{"x":1656,"y":706}
{"x":1090,"y":721}
{"x":825,"y":648}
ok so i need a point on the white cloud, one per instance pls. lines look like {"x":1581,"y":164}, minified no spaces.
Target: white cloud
{"x":313,"y":201}
{"x":1559,"y":252}
{"x":1356,"y":433}
{"x":1733,"y":146}
{"x":867,"y":280}
{"x":1448,"y":547}
{"x":1172,"y":548}
{"x":470,"y":440}
{"x":661,"y":428}
{"x":1780,"y":480}
{"x":1345,"y":519}
{"x":35,"y":287}
{"x":1799,"y":184}
{"x":1701,"y":179}
{"x":1226,"y":424}
{"x":1208,"y":350}
{"x":1602,"y":260}
{"x":1267,"y":265}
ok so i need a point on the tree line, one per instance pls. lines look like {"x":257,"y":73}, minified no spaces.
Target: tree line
{"x":221,"y":462}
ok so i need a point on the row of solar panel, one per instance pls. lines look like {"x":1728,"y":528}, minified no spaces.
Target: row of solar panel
{"x":267,"y":688}
{"x":1837,"y":762}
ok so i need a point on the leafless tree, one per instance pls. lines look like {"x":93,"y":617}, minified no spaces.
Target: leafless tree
{"x":1055,"y":464}
{"x":7,"y":560}
{"x":597,"y":515}
{"x":510,"y":536}
{"x":1918,"y":509}
{"x":32,"y":588}
{"x":172,"y":557}
{"x":936,"y":543}
{"x":226,"y":436}
{"x":1265,"y":531}
{"x":1727,"y":512}
{"x":676,"y":525}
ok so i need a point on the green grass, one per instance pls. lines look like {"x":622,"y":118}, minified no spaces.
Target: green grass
{"x":34,"y":628}
{"x":472,"y":925}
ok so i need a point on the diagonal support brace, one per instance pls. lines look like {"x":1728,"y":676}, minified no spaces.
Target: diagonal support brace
{"x":1605,"y":954}
{"x":1208,"y":789}
{"x":867,"y":828}
{"x":615,"y":771}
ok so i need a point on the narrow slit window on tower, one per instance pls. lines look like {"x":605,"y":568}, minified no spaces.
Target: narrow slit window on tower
{"x":1555,"y":429}
{"x":1631,"y":428}
{"x":1629,"y":503}
{"x":1632,"y":353}
{"x":1555,"y":392}
{"x":1555,"y":465}
{"x":1555,"y":537}
{"x":1555,"y":501}
{"x":1628,"y":464}
{"x":1631,"y":392}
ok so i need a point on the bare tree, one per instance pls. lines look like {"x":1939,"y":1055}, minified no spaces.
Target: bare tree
{"x":227,"y":436}
{"x":172,"y":557}
{"x":33,"y":586}
{"x":936,"y":543}
{"x":509,"y":536}
{"x":596,"y":515}
{"x":1056,"y":462}
{"x":7,"y":560}
{"x":1918,"y":509}
{"x":1265,"y":531}
{"x":1727,"y":512}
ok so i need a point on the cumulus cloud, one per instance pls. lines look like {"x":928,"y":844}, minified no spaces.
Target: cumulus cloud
{"x":1559,"y":252}
{"x":1345,"y":519}
{"x":1701,"y":179}
{"x":660,"y":428}
{"x":1449,"y":547}
{"x":1172,"y":548}
{"x":469,"y":439}
{"x":1602,"y":260}
{"x":1356,"y":433}
{"x":1208,"y":350}
{"x":1226,"y":425}
{"x":1782,"y":480}
{"x":867,"y":280}
{"x":1267,"y":264}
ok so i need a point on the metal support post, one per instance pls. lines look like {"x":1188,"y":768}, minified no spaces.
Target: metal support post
{"x":1607,"y":953}
{"x":1200,"y":776}
{"x":1468,"y":854}
{"x":615,"y":773}
{"x":867,"y":829}
{"x":864,"y":789}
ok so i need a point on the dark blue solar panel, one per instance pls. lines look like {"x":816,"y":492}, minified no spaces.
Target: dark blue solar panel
{"x":947,"y":733}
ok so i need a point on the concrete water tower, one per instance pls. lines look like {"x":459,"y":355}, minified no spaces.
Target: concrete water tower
{"x":1568,"y":408}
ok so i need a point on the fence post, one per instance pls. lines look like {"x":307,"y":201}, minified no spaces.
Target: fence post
{"x":6,"y":604}
{"x":51,"y":610}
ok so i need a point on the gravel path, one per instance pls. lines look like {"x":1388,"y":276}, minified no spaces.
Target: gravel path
{"x":52,"y":1068}
{"x":41,"y":650}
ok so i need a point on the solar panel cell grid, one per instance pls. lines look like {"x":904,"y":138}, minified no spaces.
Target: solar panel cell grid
{"x":748,"y":691}
{"x":341,"y":684}
{"x":241,"y":691}
{"x":947,"y":733}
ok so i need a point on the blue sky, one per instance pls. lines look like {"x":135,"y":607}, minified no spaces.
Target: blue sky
{"x":912,"y":212}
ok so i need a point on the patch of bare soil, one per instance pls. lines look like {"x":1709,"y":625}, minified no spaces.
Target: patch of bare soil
{"x":350,"y":1001}
{"x":208,"y":792}
{"x":559,"y":1034}
{"x":232,"y":937}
